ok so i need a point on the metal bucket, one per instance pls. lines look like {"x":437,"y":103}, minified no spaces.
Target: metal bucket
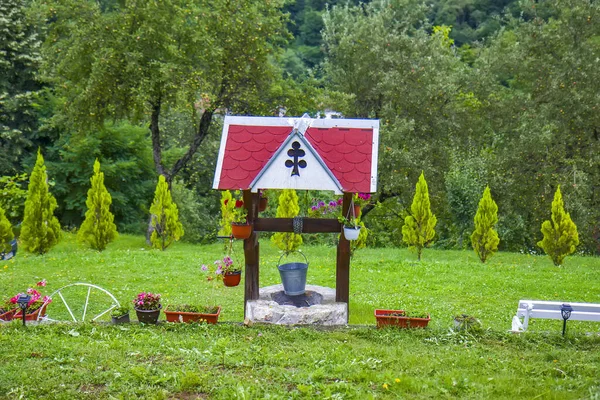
{"x":293,"y":276}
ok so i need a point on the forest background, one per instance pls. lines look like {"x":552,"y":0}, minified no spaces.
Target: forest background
{"x":472,"y":92}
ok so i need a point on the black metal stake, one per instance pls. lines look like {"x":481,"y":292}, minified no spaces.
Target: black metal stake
{"x":23,"y":302}
{"x":565,"y":312}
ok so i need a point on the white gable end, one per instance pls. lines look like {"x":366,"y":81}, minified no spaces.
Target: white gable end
{"x":304,"y":172}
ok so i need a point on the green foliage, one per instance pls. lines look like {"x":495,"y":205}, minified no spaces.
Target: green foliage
{"x":361,"y":242}
{"x":560,"y":233}
{"x":127,"y":165}
{"x":288,"y":207}
{"x":40,"y":230}
{"x":418,"y":230}
{"x":197,"y":213}
{"x":164,"y":217}
{"x":6,"y":233}
{"x":98,"y":228}
{"x":484,"y":238}
{"x":227,"y":205}
{"x":13,"y":196}
{"x":19,"y":84}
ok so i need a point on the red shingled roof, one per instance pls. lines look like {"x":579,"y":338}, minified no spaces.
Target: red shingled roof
{"x":347,"y":152}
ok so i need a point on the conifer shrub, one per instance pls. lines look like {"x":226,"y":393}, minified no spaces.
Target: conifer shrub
{"x":485,"y":238}
{"x":560,"y":233}
{"x":288,"y":207}
{"x":40,"y":229}
{"x":418,"y":229}
{"x":6,"y":233}
{"x":227,"y":206}
{"x":98,"y":228}
{"x":164,"y":214}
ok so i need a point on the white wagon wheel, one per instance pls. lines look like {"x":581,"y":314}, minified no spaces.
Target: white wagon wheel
{"x":90,"y":287}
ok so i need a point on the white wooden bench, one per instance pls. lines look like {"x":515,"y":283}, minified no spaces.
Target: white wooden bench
{"x":552,"y":310}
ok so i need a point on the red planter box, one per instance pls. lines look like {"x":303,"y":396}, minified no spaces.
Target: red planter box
{"x":34,"y":316}
{"x":179,"y":316}
{"x":7,"y":316}
{"x":399,"y":319}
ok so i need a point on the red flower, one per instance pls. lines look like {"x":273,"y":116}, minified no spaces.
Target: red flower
{"x":239,"y":203}
{"x":226,"y":201}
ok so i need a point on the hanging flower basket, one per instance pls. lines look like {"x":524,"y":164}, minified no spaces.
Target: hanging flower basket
{"x":241,"y":231}
{"x":351,"y":232}
{"x":232,"y":279}
{"x":262,"y":204}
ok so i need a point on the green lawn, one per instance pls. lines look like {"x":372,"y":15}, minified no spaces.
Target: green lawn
{"x":233,"y":361}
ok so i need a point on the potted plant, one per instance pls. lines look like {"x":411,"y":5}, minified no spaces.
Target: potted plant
{"x":191,"y":313}
{"x":147,"y":307}
{"x":360,"y":200}
{"x":120,"y":315}
{"x":240,"y":228}
{"x":401,"y":319}
{"x":466,"y":322}
{"x":7,"y":311}
{"x":263,"y":201}
{"x":36,"y":307}
{"x":229,"y":271}
{"x":351,"y":227}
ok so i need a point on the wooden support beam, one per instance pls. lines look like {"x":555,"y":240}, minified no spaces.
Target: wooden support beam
{"x":251,"y":251}
{"x":309,"y":225}
{"x":342,"y":274}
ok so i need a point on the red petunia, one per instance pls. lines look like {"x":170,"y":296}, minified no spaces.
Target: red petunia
{"x":239,"y":203}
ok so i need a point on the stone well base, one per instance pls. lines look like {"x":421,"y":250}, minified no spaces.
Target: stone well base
{"x":268,"y":311}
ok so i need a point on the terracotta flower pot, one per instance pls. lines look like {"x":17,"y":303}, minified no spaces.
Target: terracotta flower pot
{"x":232,"y":278}
{"x":241,"y":231}
{"x":262,"y":204}
{"x":188,"y":317}
{"x":8,"y":315}
{"x":34,"y":316}
{"x":148,"y":316}
{"x":357,"y":211}
{"x":399,"y":319}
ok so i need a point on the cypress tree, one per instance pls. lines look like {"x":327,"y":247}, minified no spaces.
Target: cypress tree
{"x":164,"y":217}
{"x":418,"y":229}
{"x":40,"y":229}
{"x":560,"y":234}
{"x":484,"y":238}
{"x":288,"y":207}
{"x":227,"y":206}
{"x":6,"y":233}
{"x":98,"y":228}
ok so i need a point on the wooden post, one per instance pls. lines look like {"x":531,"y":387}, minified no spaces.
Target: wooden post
{"x":251,"y":251}
{"x":342,"y":274}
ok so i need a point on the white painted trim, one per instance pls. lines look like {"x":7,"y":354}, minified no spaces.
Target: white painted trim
{"x":374,"y":156}
{"x":258,"y":121}
{"x":315,"y":122}
{"x":220,"y":158}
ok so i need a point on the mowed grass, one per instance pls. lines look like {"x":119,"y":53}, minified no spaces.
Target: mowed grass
{"x":230,"y":360}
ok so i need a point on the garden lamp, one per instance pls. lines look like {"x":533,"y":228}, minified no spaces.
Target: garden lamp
{"x":565,"y":312}
{"x":23,"y":301}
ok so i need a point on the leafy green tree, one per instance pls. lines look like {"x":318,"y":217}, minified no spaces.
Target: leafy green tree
{"x":484,"y":238}
{"x":19,"y":84}
{"x":164,"y":217}
{"x":98,"y":228}
{"x":560,"y":233}
{"x":13,"y":196}
{"x":6,"y":232}
{"x":137,"y":58}
{"x":418,"y":229}
{"x":288,"y":207}
{"x":40,"y":229}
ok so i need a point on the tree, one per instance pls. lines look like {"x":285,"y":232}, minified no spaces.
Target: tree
{"x":418,"y":230}
{"x":98,"y":228}
{"x":164,"y":217}
{"x":288,"y":207}
{"x":6,"y":232}
{"x":139,"y":58}
{"x":19,"y":84}
{"x":560,"y":234}
{"x":41,"y":229}
{"x":484,"y":238}
{"x":227,"y":206}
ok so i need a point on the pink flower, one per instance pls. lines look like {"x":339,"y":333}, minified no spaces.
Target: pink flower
{"x":340,"y":201}
{"x":204,"y":267}
{"x":227,"y":260}
{"x":41,"y":283}
{"x":219,"y":270}
{"x":47,"y":299}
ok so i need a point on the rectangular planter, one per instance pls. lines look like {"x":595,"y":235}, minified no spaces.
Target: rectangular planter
{"x":188,"y":317}
{"x":399,"y":319}
{"x":34,"y":316}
